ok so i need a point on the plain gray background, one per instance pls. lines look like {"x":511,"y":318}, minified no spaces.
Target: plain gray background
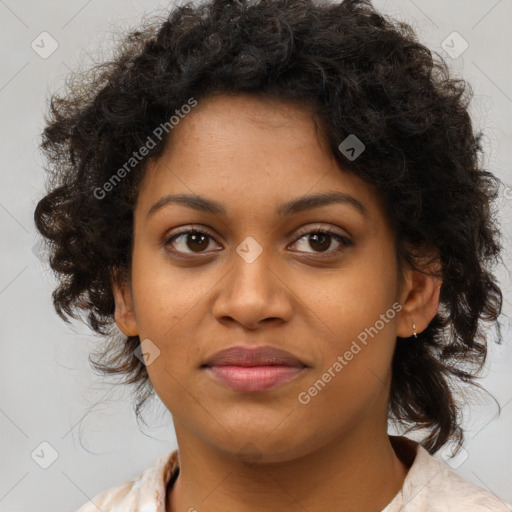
{"x":48,"y":393}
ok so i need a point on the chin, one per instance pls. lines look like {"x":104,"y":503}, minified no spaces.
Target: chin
{"x":265,"y":446}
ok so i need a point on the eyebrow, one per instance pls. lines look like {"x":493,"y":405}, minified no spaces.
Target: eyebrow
{"x":294,"y":206}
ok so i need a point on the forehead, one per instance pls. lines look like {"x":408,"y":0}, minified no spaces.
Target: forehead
{"x":244,"y":123}
{"x":247,"y":150}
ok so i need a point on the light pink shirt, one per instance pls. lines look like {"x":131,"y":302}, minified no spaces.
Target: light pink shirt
{"x":430,"y":486}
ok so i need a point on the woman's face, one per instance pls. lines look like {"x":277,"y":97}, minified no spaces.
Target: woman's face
{"x":257,"y":275}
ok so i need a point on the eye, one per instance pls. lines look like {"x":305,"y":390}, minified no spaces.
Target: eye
{"x":321,"y":239}
{"x":196,"y":241}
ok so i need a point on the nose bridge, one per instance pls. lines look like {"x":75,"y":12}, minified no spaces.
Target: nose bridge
{"x":252,"y":262}
{"x":251,"y":290}
{"x":251,"y":267}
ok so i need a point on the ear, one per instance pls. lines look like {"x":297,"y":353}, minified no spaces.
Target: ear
{"x":124,"y":312}
{"x":419,"y":298}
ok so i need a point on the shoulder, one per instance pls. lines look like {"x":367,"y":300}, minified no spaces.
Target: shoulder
{"x":431,"y":485}
{"x":121,"y":495}
{"x":146,"y":491}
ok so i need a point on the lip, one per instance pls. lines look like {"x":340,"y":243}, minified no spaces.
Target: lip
{"x":247,"y":368}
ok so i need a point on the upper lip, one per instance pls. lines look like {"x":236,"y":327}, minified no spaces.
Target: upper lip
{"x":244,"y":355}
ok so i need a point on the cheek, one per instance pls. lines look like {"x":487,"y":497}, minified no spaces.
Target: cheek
{"x":355,"y":341}
{"x":354,"y":312}
{"x":166,"y":305}
{"x":351,"y":299}
{"x":164,"y":295}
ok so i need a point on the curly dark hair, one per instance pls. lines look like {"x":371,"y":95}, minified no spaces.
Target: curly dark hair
{"x":363,"y":73}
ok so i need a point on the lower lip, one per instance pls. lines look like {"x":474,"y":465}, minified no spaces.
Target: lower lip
{"x":254,"y":378}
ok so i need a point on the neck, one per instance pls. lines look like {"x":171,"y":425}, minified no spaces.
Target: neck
{"x":360,"y":472}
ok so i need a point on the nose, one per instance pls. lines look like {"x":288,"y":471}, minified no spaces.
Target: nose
{"x":253,"y":291}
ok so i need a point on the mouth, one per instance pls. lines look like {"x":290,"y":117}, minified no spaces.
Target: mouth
{"x":247,"y":369}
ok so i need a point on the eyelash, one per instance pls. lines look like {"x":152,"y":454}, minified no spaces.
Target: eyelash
{"x":344,"y":241}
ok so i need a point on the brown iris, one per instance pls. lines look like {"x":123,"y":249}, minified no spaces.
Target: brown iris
{"x":320,"y":239}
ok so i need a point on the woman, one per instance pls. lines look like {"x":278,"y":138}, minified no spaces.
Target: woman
{"x":279,"y":204}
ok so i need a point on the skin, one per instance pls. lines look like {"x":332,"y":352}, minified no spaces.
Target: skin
{"x":267,"y":451}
